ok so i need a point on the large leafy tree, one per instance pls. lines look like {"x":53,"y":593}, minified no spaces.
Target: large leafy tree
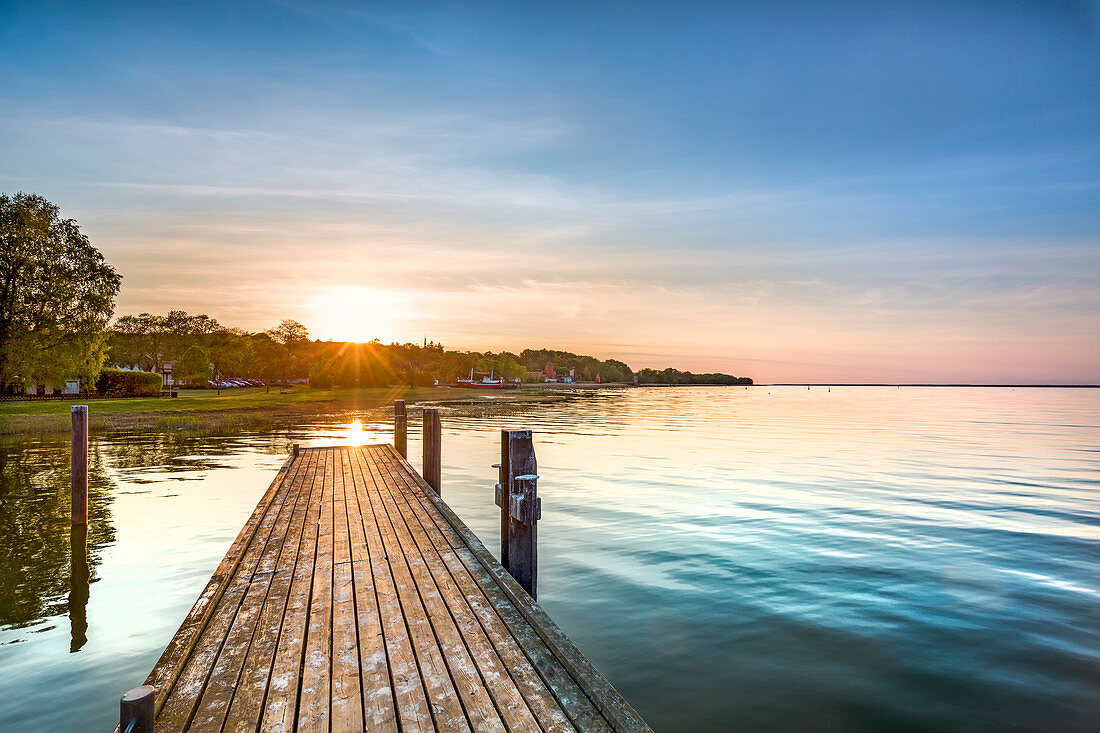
{"x":292,"y":340}
{"x":57,"y":294}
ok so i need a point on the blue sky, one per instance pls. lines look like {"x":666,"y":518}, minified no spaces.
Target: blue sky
{"x":794,"y":191}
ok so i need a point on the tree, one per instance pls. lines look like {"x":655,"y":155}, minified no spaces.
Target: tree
{"x":229,"y":351}
{"x":289,"y":332}
{"x":193,"y":365}
{"x":266,"y":357}
{"x":321,"y":375}
{"x":292,"y":338}
{"x":130,"y":341}
{"x":57,"y":294}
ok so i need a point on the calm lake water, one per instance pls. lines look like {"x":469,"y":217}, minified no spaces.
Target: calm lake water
{"x":772,"y":558}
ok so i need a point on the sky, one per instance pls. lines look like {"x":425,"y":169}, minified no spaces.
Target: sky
{"x":796,"y":192}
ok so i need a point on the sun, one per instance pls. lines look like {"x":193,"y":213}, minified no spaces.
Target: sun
{"x":352,"y":314}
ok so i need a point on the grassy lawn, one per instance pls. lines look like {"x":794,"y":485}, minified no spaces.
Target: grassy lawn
{"x":205,"y":409}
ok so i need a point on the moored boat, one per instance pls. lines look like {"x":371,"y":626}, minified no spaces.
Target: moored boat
{"x":486,"y":381}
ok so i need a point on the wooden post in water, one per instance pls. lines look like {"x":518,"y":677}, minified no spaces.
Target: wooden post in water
{"x":78,"y":465}
{"x":432,"y":444}
{"x":520,"y":507}
{"x":401,"y":428}
{"x":137,"y":706}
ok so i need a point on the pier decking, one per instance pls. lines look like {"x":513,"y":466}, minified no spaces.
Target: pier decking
{"x":354,"y":599}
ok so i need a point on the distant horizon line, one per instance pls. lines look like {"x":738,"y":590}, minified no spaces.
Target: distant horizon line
{"x":922,"y":384}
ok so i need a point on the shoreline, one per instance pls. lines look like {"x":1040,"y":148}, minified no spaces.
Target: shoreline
{"x":204,"y":410}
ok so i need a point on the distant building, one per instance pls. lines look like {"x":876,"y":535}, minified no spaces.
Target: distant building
{"x":72,"y":386}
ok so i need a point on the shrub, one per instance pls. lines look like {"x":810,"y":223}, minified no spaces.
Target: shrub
{"x":126,"y":382}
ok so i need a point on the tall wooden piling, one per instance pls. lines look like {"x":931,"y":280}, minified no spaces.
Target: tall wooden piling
{"x":401,"y":428}
{"x":520,"y":507}
{"x":432,"y":444}
{"x":78,"y":465}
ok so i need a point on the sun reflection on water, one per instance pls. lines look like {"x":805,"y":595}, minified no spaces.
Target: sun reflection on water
{"x":355,"y":435}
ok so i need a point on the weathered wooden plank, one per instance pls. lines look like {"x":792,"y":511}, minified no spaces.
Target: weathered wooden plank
{"x":507,"y":696}
{"x":247,"y":704}
{"x":612,"y":706}
{"x":479,"y":705}
{"x":379,"y":704}
{"x":180,"y":703}
{"x":347,"y":698}
{"x":414,"y":711}
{"x":221,"y":686}
{"x":541,"y":680}
{"x":167,"y":669}
{"x":446,"y":706}
{"x":281,"y":706}
{"x":315,"y":694}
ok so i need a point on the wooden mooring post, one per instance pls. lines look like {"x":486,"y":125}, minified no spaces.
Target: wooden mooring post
{"x":401,"y":428}
{"x":136,"y":709}
{"x":433,"y":464}
{"x":520,"y":508}
{"x":78,"y":465}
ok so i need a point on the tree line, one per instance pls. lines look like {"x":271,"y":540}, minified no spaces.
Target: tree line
{"x":200,"y":349}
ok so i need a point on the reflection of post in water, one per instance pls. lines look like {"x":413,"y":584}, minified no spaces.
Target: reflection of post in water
{"x":79,"y":579}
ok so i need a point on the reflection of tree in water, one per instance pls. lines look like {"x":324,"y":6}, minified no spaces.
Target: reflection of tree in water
{"x":184,"y":451}
{"x":36,"y":568}
{"x":39,"y":576}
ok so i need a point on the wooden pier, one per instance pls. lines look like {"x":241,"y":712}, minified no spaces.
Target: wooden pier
{"x":355,"y":599}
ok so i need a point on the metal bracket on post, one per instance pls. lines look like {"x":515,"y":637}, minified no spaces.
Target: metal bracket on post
{"x":498,"y":491}
{"x":524,"y":506}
